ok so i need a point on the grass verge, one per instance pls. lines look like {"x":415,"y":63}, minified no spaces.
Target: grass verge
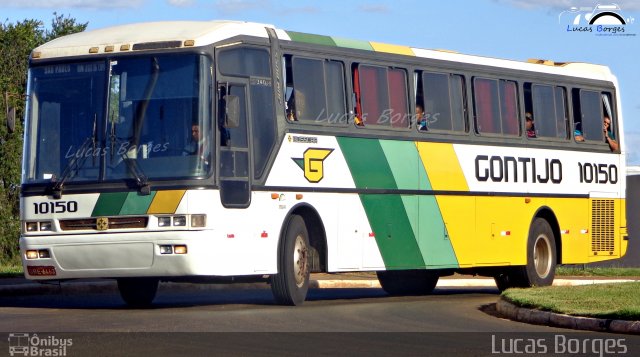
{"x":611,"y":301}
{"x":596,"y":271}
{"x":10,"y":270}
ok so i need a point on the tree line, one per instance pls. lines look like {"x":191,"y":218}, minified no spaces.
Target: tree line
{"x":16,"y":42}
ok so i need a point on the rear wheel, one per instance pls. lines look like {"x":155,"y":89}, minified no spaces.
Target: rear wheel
{"x":541,"y":260}
{"x":138,"y":292}
{"x":408,"y":282}
{"x":541,"y":254}
{"x":290,"y":285}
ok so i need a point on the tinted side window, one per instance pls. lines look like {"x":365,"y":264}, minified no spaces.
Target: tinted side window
{"x":496,"y":106}
{"x":244,"y":62}
{"x":548,"y":108}
{"x":588,"y":115}
{"x":316,"y":91}
{"x":442,"y":99}
{"x":383,"y":97}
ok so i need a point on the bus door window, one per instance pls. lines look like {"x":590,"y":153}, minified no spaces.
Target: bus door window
{"x":234,"y":151}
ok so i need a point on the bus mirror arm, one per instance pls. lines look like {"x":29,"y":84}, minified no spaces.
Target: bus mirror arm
{"x":232,"y":112}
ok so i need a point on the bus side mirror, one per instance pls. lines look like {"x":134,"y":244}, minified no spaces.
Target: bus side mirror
{"x":11,"y":119}
{"x":232,"y":112}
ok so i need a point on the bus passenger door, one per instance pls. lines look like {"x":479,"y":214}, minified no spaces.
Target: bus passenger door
{"x":234,"y":155}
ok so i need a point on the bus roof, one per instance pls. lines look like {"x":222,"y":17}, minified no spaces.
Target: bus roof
{"x":177,"y":34}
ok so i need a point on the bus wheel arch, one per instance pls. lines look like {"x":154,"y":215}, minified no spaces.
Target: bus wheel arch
{"x":547,"y":214}
{"x":543,"y":254}
{"x":301,"y":249}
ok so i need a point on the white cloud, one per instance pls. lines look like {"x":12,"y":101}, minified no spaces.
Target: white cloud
{"x":374,"y":8}
{"x":180,"y":3}
{"x":66,"y":4}
{"x":628,"y":5}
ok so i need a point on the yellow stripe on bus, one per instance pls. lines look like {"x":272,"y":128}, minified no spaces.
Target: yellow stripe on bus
{"x":385,"y":47}
{"x":166,"y":201}
{"x":443,"y":167}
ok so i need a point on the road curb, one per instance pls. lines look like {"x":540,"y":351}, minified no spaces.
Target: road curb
{"x":538,"y":317}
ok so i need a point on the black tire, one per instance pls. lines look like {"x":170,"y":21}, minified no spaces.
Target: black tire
{"x":541,"y":260}
{"x":511,"y":277}
{"x":408,"y":282}
{"x":290,"y":285}
{"x":138,"y":292}
{"x":541,"y":255}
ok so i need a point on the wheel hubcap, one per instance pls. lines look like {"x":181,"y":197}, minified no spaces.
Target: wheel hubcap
{"x":300,"y":261}
{"x":542,"y":256}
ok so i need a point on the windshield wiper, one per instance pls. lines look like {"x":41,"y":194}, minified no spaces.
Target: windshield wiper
{"x":75,"y":163}
{"x":141,"y":179}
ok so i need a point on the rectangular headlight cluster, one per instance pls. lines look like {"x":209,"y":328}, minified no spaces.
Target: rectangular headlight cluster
{"x":173,"y":249}
{"x":196,"y":220}
{"x":39,"y":226}
{"x":38,"y":254}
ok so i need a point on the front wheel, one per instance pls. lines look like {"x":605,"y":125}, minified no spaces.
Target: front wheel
{"x":290,"y":285}
{"x":408,"y":282}
{"x":138,"y":292}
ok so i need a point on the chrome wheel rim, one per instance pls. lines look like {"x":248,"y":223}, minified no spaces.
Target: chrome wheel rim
{"x":300,"y":267}
{"x":542,"y":256}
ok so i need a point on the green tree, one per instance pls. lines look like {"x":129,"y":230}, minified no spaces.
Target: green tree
{"x":16,"y":42}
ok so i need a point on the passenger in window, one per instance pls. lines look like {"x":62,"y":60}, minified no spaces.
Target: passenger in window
{"x":609,"y":137}
{"x":421,"y":118}
{"x":577,"y":132}
{"x":529,"y":126}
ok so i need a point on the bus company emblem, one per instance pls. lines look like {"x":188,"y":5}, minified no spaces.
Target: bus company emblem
{"x":102,"y":223}
{"x":312,"y":163}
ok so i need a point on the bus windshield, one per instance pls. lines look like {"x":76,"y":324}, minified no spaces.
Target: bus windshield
{"x":135,"y":118}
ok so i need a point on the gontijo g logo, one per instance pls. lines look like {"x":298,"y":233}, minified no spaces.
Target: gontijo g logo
{"x":312,"y":162}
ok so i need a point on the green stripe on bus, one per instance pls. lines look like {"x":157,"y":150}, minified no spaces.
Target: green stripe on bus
{"x":136,"y":203}
{"x":109,"y":204}
{"x":423,"y":211}
{"x":387,"y":214}
{"x":311,"y":38}
{"x":365,"y":159}
{"x":349,"y":43}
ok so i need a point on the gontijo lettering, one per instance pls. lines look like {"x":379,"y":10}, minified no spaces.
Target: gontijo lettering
{"x":518,"y":169}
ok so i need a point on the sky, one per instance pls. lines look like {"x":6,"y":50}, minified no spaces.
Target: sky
{"x":511,"y":29}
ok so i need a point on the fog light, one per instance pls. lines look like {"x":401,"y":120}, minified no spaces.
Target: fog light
{"x":166,"y":249}
{"x":180,"y":249}
{"x":31,"y":226}
{"x":44,"y":254}
{"x":198,"y":220}
{"x":32,"y":254}
{"x":164,"y":221}
{"x":180,"y":221}
{"x":45,"y":226}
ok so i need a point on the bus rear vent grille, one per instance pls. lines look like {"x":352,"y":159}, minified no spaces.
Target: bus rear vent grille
{"x":114,"y":223}
{"x":602,"y":226}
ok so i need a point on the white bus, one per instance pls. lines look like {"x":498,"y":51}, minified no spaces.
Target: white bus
{"x":187,"y":150}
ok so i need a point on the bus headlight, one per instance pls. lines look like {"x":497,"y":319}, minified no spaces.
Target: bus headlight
{"x":164,"y":221}
{"x":31,"y":226}
{"x":198,"y":220}
{"x":45,"y":226}
{"x":180,"y":221}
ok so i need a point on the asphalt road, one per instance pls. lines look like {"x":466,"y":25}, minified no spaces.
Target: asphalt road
{"x":246,"y":322}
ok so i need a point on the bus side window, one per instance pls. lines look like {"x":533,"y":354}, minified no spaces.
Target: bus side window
{"x":357,"y":119}
{"x":588,"y":115}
